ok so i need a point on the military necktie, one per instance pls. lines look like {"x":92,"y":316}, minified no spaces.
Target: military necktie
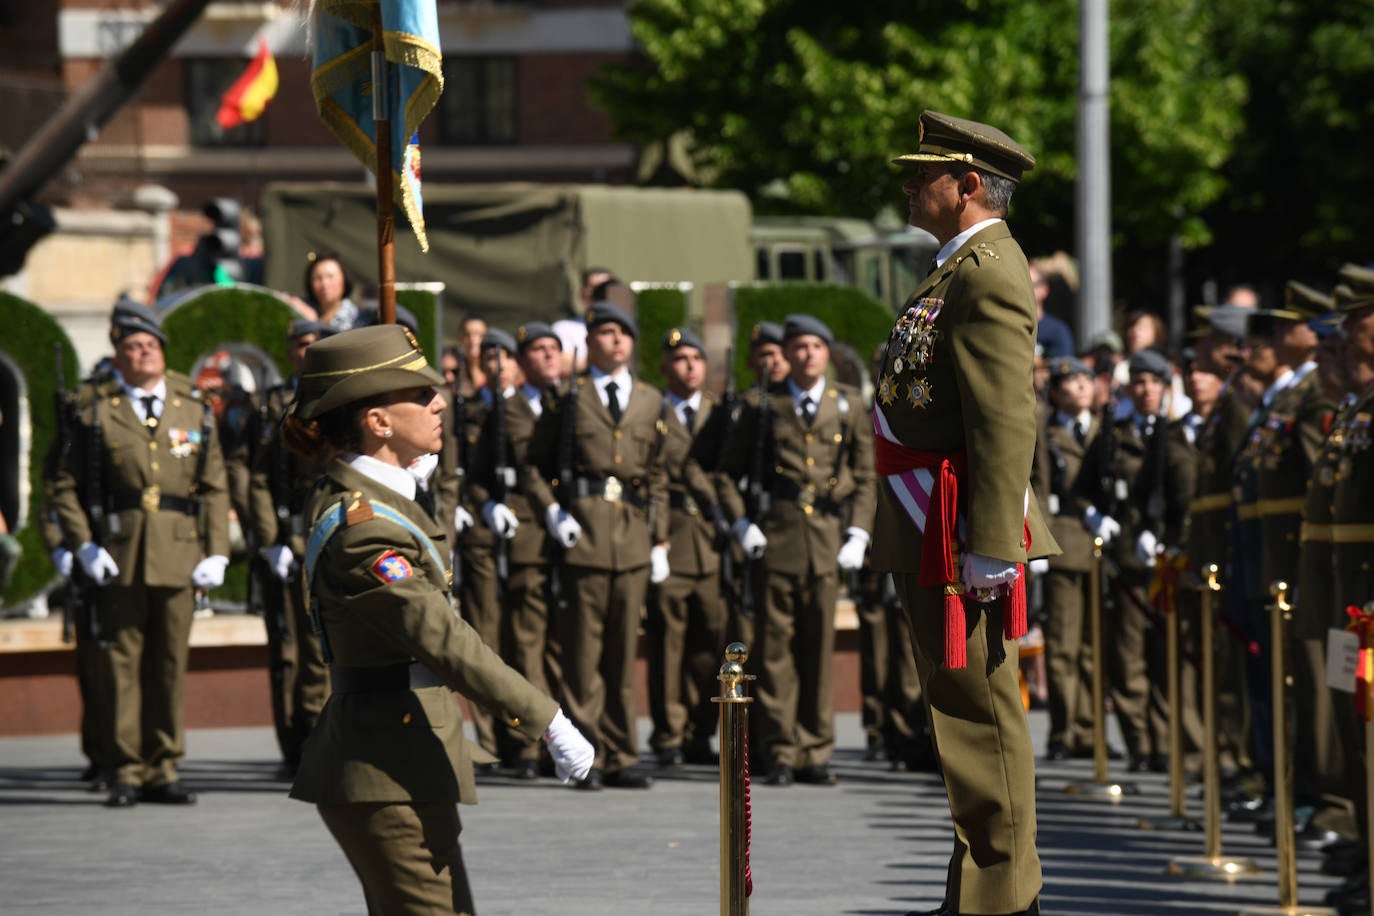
{"x":613,"y":402}
{"x":425,"y":499}
{"x":1080,"y":432}
{"x":689,"y":416}
{"x":808,"y":407}
{"x":150,"y":411}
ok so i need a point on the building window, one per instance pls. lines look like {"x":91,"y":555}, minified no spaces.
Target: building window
{"x":478,"y":104}
{"x":207,"y":79}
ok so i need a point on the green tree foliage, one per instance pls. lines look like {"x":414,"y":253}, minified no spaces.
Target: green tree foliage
{"x":802,"y":104}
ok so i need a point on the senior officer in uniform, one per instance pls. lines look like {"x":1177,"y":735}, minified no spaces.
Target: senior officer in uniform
{"x":387,"y":762}
{"x":955,"y":423}
{"x":614,"y":531}
{"x":164,"y":479}
{"x":687,"y":613}
{"x":819,"y":446}
{"x":277,"y":493}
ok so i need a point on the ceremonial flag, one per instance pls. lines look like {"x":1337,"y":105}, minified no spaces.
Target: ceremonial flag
{"x":341,"y":79}
{"x":251,"y":92}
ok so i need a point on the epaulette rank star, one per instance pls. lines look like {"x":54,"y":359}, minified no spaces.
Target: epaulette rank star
{"x":986,"y":249}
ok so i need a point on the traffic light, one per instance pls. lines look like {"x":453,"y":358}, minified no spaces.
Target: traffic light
{"x":220,"y":246}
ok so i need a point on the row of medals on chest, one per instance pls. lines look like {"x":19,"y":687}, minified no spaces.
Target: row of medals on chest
{"x":910,"y":347}
{"x":1349,"y":436}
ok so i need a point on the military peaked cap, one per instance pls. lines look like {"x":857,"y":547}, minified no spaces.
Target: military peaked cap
{"x":604,"y":312}
{"x":358,"y":364}
{"x":531,"y":331}
{"x":1356,"y":289}
{"x":797,"y":325}
{"x":1221,"y":319}
{"x":683,"y":337}
{"x":952,"y":140}
{"x":1302,"y":303}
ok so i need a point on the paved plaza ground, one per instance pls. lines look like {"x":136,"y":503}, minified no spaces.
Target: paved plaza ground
{"x":875,"y":845}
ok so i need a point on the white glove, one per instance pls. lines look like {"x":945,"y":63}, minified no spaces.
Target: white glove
{"x":422,"y":469}
{"x":209,"y":572}
{"x":1103,"y":526}
{"x":278,"y":557}
{"x":62,"y":558}
{"x":852,"y":553}
{"x":500,"y":518}
{"x":658,"y":564}
{"x":986,"y":572}
{"x":562,"y":526}
{"x":572,"y":754}
{"x":1039,"y":567}
{"x":97,"y":563}
{"x":1146,"y":545}
{"x":750,"y":538}
{"x":462,"y":519}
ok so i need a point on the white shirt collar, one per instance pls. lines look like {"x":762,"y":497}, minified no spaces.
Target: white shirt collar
{"x":388,"y":475}
{"x":486,"y":394}
{"x":1067,"y":419}
{"x":693,"y":402}
{"x":958,"y":241}
{"x":1287,"y":379}
{"x":158,"y":391}
{"x":534,"y":397}
{"x":623,"y":384}
{"x":814,"y":392}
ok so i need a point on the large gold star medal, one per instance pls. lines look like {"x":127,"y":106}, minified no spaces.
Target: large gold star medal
{"x":887,"y":390}
{"x":918,"y":393}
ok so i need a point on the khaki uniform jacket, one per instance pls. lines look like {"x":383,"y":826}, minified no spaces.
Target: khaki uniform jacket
{"x":1060,"y":479}
{"x":530,"y":546}
{"x":691,"y":493}
{"x":1135,"y":475}
{"x":1316,"y":593}
{"x":405,"y":745}
{"x":1293,"y":433}
{"x":1353,"y":505}
{"x":157,"y":548}
{"x":972,"y":393}
{"x":1209,"y":522}
{"x":830,"y":460}
{"x":477,"y":458}
{"x":616,"y":536}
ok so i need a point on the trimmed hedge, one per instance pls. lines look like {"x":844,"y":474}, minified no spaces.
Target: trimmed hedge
{"x":854,"y":317}
{"x":30,"y":334}
{"x":207,"y":320}
{"x":656,"y":312}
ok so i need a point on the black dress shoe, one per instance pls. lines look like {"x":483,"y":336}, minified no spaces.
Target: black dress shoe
{"x":671,"y":758}
{"x":526,"y":769}
{"x":1057,"y":750}
{"x":122,"y":795}
{"x":1314,"y":839}
{"x":780,"y":775}
{"x":817,"y":776}
{"x":592,"y":782}
{"x":169,"y":793}
{"x":286,"y":771}
{"x":1250,"y":811}
{"x":1157,"y":763}
{"x":1085,"y":752}
{"x":99,"y":783}
{"x":701,"y":755}
{"x":628,"y":779}
{"x":1032,"y":910}
{"x":91,"y":772}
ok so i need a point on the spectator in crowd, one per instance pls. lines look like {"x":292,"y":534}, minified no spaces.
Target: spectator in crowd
{"x":471,"y":333}
{"x":327,"y":290}
{"x":1052,"y":335}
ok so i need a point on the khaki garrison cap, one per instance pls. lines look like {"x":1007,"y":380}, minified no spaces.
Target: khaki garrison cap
{"x":948,"y":139}
{"x":1356,"y":289}
{"x":358,"y":364}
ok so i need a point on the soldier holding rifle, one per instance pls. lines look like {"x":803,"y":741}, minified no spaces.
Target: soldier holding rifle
{"x":162,"y":474}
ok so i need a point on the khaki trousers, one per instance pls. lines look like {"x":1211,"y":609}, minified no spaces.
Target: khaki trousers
{"x":144,"y":676}
{"x":984,"y":745}
{"x":524,"y":646}
{"x":481,"y":608}
{"x":1139,"y":676}
{"x":296,"y":670}
{"x":794,"y":702}
{"x":407,"y":856}
{"x":1068,"y":657}
{"x":888,"y":681}
{"x":686,"y":632}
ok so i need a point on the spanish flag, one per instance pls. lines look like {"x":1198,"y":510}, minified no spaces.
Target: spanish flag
{"x":251,"y":92}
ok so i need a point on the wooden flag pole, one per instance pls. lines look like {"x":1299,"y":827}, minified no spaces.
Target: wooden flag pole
{"x":386,"y":207}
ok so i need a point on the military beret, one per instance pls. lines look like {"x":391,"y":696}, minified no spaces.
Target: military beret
{"x":952,"y":140}
{"x":531,"y":331}
{"x":406,"y":319}
{"x":495,"y":337}
{"x":1108,"y":339}
{"x":604,"y":312}
{"x":1066,"y":366}
{"x":1302,"y":303}
{"x":765,"y":332}
{"x":130,"y":317}
{"x":1356,"y":289}
{"x":358,"y":364}
{"x":1152,"y":361}
{"x":683,"y":337}
{"x":797,"y":325}
{"x":303,"y":326}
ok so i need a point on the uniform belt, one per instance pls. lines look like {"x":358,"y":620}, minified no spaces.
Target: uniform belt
{"x":612,"y":490}
{"x":152,"y":500}
{"x":1352,"y":534}
{"x":1291,"y":505}
{"x":784,"y":488}
{"x":1310,"y":532}
{"x":1212,"y":502}
{"x":382,"y":679}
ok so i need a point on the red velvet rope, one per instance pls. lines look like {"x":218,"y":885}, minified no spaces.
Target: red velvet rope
{"x":748,"y":823}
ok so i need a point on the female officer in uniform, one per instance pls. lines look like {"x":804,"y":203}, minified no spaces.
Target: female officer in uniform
{"x":387,"y":761}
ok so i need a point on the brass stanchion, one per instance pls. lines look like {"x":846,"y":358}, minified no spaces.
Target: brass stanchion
{"x":1177,"y":818}
{"x":1281,"y":612}
{"x":1211,"y":864}
{"x":1365,"y":684}
{"x":1101,"y":785}
{"x":735,"y":879}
